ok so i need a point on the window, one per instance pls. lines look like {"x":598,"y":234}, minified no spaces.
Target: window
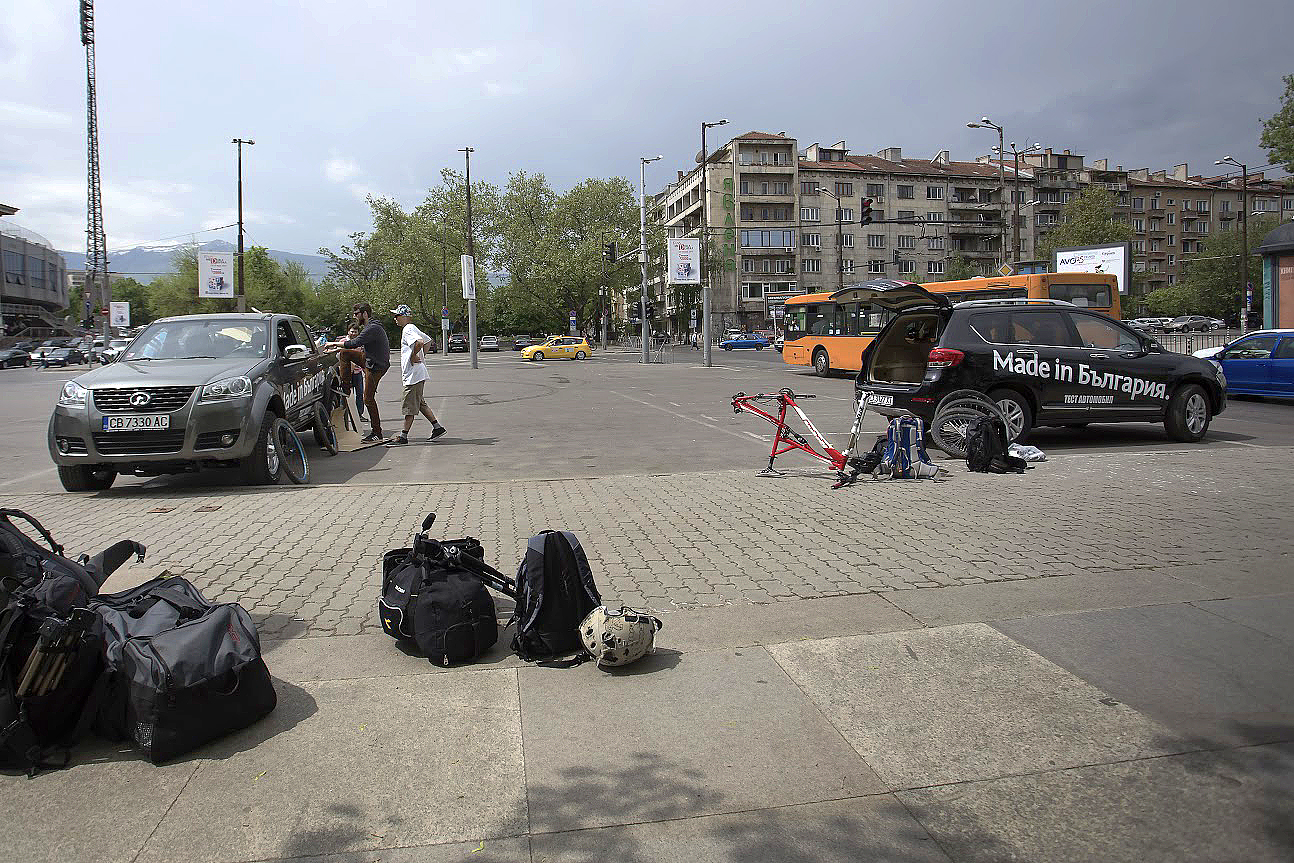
{"x":1287,"y":204}
{"x":763,"y":187}
{"x":907,"y":214}
{"x":934,"y":217}
{"x":1138,"y":245}
{"x":1172,"y":260}
{"x":748,"y":264}
{"x":845,"y":215}
{"x":781,"y":188}
{"x":779,"y":239}
{"x":876,"y":190}
{"x":1226,"y":206}
{"x":1172,"y":217}
{"x":784,"y":266}
{"x":907,"y":191}
{"x":934,"y":243}
{"x":811,"y":265}
{"x":1201,"y":206}
{"x":1066,"y":197}
{"x":845,"y":190}
{"x":1252,"y":348}
{"x":1085,"y":296}
{"x":1154,"y":245}
{"x":935,"y":268}
{"x":1139,"y":225}
{"x":874,"y":266}
{"x":1156,"y":224}
{"x":875,"y":241}
{"x":808,"y":187}
{"x":847,"y":240}
{"x":763,"y":214}
{"x":1172,"y":239}
{"x":752,"y":290}
{"x":847,"y":267}
{"x":1139,"y":204}
{"x":13,"y":268}
{"x":935,"y":193}
{"x":907,"y":268}
{"x":747,"y":214}
{"x":745,"y":187}
{"x":907,"y":241}
{"x":1169,"y":202}
{"x":1285,"y":351}
{"x":810,"y":214}
{"x":811,"y":241}
{"x":1021,"y":327}
{"x":1096,"y":331}
{"x":301,"y":336}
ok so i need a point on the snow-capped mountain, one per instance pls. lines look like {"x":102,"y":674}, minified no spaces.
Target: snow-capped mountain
{"x":145,"y":263}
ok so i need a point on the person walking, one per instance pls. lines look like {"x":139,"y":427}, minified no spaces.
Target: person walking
{"x":413,"y":371}
{"x":375,"y":357}
{"x":357,"y":376}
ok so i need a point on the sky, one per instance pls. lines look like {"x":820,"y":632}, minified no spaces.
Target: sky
{"x":346,"y":100}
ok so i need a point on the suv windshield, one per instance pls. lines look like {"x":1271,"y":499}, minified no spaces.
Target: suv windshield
{"x":193,"y":339}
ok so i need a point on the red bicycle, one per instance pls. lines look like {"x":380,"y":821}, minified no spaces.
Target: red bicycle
{"x":788,"y":439}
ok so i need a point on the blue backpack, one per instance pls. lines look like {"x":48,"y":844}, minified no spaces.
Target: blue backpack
{"x":905,"y":455}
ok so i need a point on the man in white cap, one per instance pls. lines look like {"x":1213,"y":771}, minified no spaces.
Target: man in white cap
{"x":413,"y":345}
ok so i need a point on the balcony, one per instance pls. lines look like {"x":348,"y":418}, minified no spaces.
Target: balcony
{"x":768,"y":250}
{"x":977,"y":228}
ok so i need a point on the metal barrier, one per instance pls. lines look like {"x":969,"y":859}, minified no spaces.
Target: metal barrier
{"x":662,"y":351}
{"x":1186,"y":343}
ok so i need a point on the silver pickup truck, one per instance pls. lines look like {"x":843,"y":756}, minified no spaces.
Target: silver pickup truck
{"x":193,"y":392}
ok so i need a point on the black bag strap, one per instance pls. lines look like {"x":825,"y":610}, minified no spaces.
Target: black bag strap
{"x":40,"y":528}
{"x":180,"y":601}
{"x":582,"y":563}
{"x":108,"y":561}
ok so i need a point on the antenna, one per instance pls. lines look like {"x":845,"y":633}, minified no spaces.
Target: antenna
{"x":96,"y":241}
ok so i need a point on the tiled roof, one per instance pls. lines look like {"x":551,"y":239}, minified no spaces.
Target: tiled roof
{"x":830,"y":166}
{"x":761,"y":136}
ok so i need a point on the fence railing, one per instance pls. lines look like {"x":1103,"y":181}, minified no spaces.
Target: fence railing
{"x":1187,"y":343}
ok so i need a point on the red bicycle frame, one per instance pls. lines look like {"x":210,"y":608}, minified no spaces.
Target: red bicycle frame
{"x":788,"y":439}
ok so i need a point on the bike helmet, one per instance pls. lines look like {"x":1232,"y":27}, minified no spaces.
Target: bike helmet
{"x":616,"y":638}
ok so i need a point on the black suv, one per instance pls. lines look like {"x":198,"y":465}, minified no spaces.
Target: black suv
{"x":1045,"y":362}
{"x":457,"y":342}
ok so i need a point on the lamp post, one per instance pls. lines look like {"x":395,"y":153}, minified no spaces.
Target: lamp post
{"x":642,"y":242}
{"x":471,"y":254}
{"x":242,"y":294}
{"x":840,"y":237}
{"x":1015,"y":195}
{"x":1244,"y":238}
{"x":986,"y":123}
{"x":705,"y":286}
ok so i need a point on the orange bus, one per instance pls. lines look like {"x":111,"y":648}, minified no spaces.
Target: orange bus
{"x":831,"y":337}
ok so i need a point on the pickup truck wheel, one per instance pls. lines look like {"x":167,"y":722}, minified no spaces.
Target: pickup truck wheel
{"x":80,"y":477}
{"x":264,"y":466}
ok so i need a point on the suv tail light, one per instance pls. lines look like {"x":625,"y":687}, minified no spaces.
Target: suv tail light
{"x":944,"y":358}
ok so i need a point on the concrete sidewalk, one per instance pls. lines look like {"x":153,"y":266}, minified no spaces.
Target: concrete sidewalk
{"x":1142,"y":715}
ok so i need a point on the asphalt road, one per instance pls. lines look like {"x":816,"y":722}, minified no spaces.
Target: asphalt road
{"x":602,"y":417}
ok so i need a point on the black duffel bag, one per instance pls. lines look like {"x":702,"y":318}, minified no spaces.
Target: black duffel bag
{"x":181,"y":671}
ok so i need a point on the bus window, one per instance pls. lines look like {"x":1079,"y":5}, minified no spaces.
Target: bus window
{"x":794,"y":322}
{"x":1083,"y":296}
{"x":818,"y":318}
{"x":1003,"y":294}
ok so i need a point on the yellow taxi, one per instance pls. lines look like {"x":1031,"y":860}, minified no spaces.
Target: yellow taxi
{"x":565,"y":347}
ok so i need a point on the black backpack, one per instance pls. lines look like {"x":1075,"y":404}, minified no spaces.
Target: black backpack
{"x":555,"y":591}
{"x":180,"y":670}
{"x":434,"y":596}
{"x":987,"y":447}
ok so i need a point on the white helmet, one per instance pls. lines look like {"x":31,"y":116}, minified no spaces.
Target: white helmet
{"x":618,"y":637}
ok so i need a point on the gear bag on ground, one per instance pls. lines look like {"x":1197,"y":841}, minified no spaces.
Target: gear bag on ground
{"x":555,"y":592}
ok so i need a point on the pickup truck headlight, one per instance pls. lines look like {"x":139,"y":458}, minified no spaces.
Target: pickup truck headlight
{"x":73,"y":395}
{"x":229,"y":388}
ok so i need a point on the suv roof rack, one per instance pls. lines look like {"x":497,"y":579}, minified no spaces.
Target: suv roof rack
{"x":1016,"y":301}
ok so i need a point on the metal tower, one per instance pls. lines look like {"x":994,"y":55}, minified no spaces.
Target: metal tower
{"x":96,"y":242}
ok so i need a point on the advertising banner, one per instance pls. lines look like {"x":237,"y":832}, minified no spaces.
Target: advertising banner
{"x":1112,"y":259}
{"x":684,"y":261}
{"x":469,"y":277}
{"x":119,"y":314}
{"x":216,"y":274}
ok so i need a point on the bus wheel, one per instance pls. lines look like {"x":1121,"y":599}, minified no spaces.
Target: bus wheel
{"x":821,"y":363}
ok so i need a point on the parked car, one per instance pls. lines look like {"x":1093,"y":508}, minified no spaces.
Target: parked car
{"x":113,"y":350}
{"x":742,"y":341}
{"x":732,"y":334}
{"x":44,"y":348}
{"x":458,"y":342}
{"x":1148,"y":325}
{"x":1188,"y":324}
{"x":10,"y":357}
{"x":1217,"y":324}
{"x":489,"y":343}
{"x":567,"y":347}
{"x":1257,"y":364}
{"x":192,"y":392}
{"x":778,"y":343}
{"x":522,"y":342}
{"x":1045,"y":363}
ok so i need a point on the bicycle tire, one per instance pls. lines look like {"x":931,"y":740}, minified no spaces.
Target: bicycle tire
{"x":292,"y":453}
{"x":953,"y":417}
{"x":325,"y":434}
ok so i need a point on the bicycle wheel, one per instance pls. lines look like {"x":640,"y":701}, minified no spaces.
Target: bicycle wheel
{"x":325,"y":435}
{"x":954,"y":415}
{"x":292,"y":454}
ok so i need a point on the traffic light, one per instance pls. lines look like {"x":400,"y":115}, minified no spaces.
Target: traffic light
{"x":609,"y":252}
{"x":866,"y":212}
{"x":651,"y":310}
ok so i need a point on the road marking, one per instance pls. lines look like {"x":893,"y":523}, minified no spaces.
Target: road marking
{"x":735,"y":434}
{"x":675,"y":404}
{"x":17,"y":480}
{"x":757,"y":437}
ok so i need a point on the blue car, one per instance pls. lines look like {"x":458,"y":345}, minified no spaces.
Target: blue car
{"x":751,"y":340}
{"x":1258,"y":364}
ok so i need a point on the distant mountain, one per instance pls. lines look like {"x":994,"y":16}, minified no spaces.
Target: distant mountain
{"x":145,"y":263}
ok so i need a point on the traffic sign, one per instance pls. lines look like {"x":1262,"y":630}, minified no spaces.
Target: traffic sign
{"x":1006,"y":270}
{"x":444,"y":313}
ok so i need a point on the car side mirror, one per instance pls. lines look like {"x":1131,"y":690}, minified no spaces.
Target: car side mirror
{"x":293,"y":353}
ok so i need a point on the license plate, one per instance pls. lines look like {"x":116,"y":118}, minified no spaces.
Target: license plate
{"x":147,"y":422}
{"x":880,"y":400}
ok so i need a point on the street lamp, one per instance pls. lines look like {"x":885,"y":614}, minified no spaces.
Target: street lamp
{"x":1028,"y":148}
{"x":705,"y":286}
{"x":840,"y":235}
{"x":242,"y":294}
{"x":986,"y":123}
{"x":642,"y":241}
{"x":1244,"y":237}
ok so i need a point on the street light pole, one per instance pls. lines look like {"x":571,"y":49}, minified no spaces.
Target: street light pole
{"x":242,"y":294}
{"x":1028,"y":148}
{"x":444,"y":285}
{"x":642,"y":246}
{"x":471,"y":254}
{"x":840,"y":238}
{"x":986,"y":123}
{"x":705,"y":285}
{"x":1244,"y":238}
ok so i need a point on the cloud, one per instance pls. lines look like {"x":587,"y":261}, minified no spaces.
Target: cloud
{"x":339,"y":169}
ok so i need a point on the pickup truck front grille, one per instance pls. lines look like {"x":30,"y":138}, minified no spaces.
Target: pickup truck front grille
{"x":161,"y":400}
{"x":138,"y":442}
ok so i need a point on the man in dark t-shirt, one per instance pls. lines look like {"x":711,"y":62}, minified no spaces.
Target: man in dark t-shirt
{"x":376,"y":358}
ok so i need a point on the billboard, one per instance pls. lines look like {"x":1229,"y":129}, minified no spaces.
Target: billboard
{"x":119,"y":314}
{"x":684,"y":261}
{"x":216,"y":274}
{"x":1111,"y":258}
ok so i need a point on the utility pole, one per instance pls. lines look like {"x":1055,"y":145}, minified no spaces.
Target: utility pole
{"x":471,"y":253}
{"x":1028,"y":148}
{"x":242,"y":293}
{"x":1244,"y":239}
{"x":96,"y":241}
{"x":986,"y":123}
{"x":642,"y":246}
{"x":840,"y":237}
{"x":444,"y":285}
{"x":705,"y":246}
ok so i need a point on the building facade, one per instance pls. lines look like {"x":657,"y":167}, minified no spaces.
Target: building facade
{"x":35,"y":282}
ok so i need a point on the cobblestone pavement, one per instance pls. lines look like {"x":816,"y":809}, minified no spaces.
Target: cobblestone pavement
{"x":306,"y":561}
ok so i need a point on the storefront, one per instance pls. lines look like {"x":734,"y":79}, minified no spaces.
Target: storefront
{"x":1277,"y":251}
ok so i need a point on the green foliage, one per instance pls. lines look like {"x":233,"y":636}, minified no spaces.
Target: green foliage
{"x":1087,"y":220}
{"x":1278,"y":130}
{"x":960,"y":267}
{"x":1211,"y":284}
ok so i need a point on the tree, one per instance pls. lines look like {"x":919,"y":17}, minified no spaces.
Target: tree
{"x":1087,"y":220}
{"x":960,"y":267}
{"x":1278,"y":130}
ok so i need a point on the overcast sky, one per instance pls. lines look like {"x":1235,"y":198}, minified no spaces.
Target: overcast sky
{"x":347,"y":99}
